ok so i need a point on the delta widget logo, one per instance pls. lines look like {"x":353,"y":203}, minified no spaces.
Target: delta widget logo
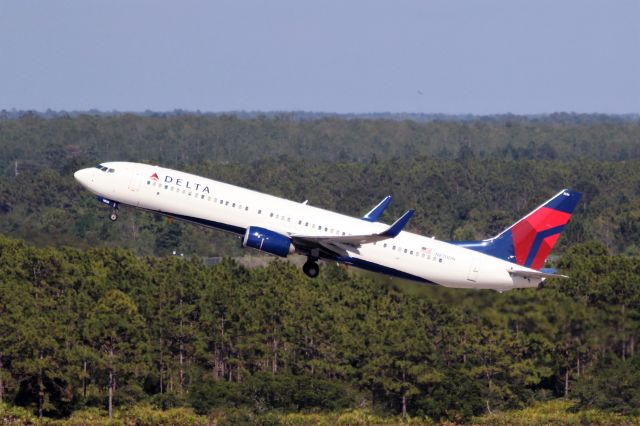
{"x":181,"y":182}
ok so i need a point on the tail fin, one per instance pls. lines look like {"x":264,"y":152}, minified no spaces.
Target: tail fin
{"x":529,"y":241}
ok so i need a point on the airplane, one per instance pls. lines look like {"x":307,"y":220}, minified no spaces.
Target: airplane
{"x":512,"y":259}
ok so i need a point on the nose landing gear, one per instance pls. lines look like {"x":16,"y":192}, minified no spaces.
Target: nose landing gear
{"x":113,"y":216}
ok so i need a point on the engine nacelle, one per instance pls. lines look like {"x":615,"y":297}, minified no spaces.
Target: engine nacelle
{"x":268,"y":241}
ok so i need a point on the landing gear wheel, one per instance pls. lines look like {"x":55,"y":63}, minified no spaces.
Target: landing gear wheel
{"x":114,"y":211}
{"x":311,"y":269}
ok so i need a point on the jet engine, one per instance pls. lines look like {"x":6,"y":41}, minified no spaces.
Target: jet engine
{"x":268,"y":241}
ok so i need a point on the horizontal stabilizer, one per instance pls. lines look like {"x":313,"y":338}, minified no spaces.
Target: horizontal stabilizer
{"x":533,"y":274}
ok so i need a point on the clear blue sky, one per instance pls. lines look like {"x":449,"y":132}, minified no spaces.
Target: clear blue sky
{"x":445,"y":56}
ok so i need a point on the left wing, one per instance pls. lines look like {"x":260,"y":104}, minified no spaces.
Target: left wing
{"x":340,"y":244}
{"x":375,"y":213}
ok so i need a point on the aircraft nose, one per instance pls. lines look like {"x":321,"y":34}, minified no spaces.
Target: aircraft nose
{"x":84,"y":176}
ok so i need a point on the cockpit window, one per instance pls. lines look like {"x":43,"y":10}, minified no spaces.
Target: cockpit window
{"x":105,"y":168}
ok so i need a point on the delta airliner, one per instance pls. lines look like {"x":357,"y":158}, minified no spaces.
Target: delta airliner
{"x":512,"y":259}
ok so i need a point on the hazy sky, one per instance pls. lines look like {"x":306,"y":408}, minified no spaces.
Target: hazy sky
{"x":445,"y":56}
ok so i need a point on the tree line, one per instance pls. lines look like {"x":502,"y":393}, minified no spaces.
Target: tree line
{"x":63,"y":143}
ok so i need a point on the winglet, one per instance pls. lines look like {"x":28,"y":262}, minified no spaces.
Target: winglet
{"x":375,"y":213}
{"x":398,"y":225}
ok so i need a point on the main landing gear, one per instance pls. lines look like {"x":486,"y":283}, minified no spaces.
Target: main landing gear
{"x":311,"y":268}
{"x":114,"y":213}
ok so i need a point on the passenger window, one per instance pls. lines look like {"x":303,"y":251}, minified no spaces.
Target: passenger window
{"x":226,"y":203}
{"x":259,"y":211}
{"x":246,"y":208}
{"x":299,"y":222}
{"x":148,"y":182}
{"x":423,"y":255}
{"x":394,"y":247}
{"x":385,"y":245}
{"x":411,"y":252}
{"x":306,"y":224}
{"x":271,"y":215}
{"x":202,"y":197}
{"x":221,"y":202}
{"x":166,"y":187}
{"x":233,"y":205}
{"x":189,"y":193}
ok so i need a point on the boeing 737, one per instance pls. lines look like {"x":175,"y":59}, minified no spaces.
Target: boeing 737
{"x":512,"y":259}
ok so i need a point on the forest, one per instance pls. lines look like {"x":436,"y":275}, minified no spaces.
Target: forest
{"x":90,"y":308}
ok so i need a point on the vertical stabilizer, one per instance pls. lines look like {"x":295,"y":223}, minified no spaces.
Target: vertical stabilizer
{"x":530,"y":240}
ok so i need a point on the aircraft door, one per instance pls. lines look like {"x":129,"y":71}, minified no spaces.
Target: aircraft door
{"x":134,"y":183}
{"x":474,"y":269}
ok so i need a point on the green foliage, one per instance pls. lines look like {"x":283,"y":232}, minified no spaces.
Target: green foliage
{"x":67,"y":142}
{"x":328,"y":161}
{"x":12,"y":415}
{"x":207,"y":394}
{"x":143,"y":415}
{"x":555,"y":412}
{"x":266,"y":391}
{"x":613,"y":386}
{"x":246,"y":342}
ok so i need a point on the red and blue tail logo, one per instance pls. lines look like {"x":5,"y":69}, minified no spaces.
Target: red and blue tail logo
{"x":530,"y":240}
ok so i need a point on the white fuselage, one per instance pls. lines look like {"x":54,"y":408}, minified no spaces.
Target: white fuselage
{"x":232,"y":208}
